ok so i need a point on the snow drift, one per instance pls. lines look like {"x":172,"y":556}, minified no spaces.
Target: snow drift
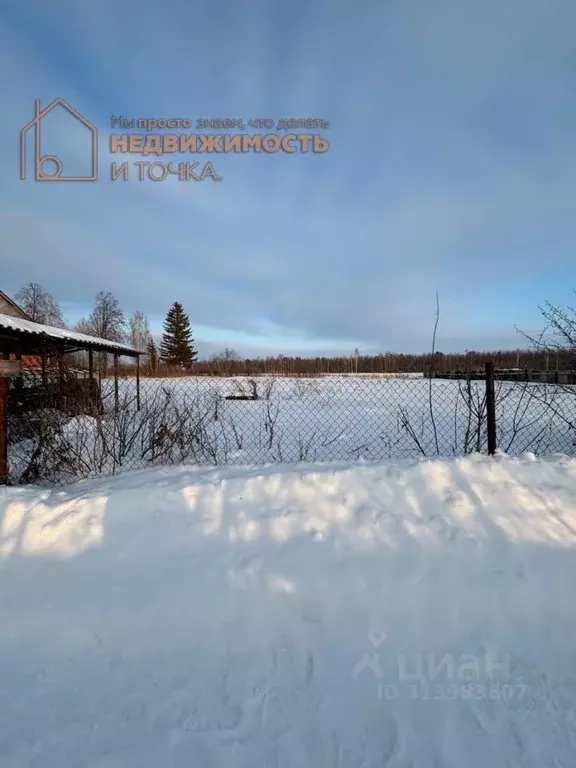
{"x":316,"y":615}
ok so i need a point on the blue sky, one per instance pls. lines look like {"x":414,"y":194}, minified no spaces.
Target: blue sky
{"x":451,"y":168}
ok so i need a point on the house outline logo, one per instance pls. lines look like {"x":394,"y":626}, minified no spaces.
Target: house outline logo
{"x":36,"y":123}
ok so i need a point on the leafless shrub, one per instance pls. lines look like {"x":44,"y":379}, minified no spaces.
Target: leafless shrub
{"x":305,"y":447}
{"x":474,"y":400}
{"x":215,"y":444}
{"x":268,"y":387}
{"x":216,"y":399}
{"x":165,"y":430}
{"x":540,"y":412}
{"x":238,"y":436}
{"x":278,"y":455}
{"x":270,"y":419}
{"x":406,"y":424}
{"x":357,"y":451}
{"x":558,"y":337}
{"x":331,"y":440}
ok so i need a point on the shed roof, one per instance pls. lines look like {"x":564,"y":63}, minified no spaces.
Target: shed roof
{"x":18,"y":327}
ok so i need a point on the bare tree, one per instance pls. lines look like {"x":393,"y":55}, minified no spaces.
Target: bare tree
{"x":84,"y":326}
{"x":558,"y":338}
{"x":106,"y":321}
{"x":140,"y":334}
{"x":40,"y":305}
{"x":107,"y":317}
{"x":270,"y":419}
{"x":226,"y":356}
{"x":225,"y":360}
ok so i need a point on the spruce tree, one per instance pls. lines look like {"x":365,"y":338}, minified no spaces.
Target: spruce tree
{"x":177,"y":347}
{"x":152,"y":354}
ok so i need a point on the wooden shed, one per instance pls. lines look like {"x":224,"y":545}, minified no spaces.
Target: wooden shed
{"x":23,"y":340}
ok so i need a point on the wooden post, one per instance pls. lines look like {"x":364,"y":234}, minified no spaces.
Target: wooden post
{"x":60,"y":369}
{"x":490,"y":408}
{"x":92,"y":394}
{"x":61,"y":395}
{"x":116,"y":393}
{"x":137,"y":382}
{"x":43,"y":364}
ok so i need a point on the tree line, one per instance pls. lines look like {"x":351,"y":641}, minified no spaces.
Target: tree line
{"x":389,"y":363}
{"x":554,"y":349}
{"x":107,"y":320}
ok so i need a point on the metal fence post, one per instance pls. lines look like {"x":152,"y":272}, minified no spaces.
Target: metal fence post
{"x":490,"y":408}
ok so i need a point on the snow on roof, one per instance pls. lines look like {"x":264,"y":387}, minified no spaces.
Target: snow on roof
{"x":82,"y":339}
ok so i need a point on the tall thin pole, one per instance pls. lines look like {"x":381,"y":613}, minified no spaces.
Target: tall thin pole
{"x":490,"y":408}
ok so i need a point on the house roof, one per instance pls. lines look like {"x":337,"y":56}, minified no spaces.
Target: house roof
{"x":16,"y":307}
{"x":18,"y":327}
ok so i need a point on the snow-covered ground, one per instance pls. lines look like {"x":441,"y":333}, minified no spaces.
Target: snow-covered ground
{"x":342,"y":615}
{"x":378,"y":417}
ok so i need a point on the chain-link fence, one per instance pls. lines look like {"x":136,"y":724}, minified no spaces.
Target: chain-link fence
{"x":64,"y":428}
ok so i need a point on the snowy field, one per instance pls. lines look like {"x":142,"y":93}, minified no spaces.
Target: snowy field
{"x":404,"y":615}
{"x":327,"y":418}
{"x":190,"y":420}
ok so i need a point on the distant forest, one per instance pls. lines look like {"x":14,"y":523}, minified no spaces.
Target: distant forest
{"x":384,"y":363}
